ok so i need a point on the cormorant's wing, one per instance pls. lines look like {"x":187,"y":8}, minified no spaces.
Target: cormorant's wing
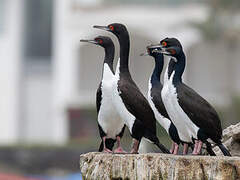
{"x":199,"y":111}
{"x":136,"y":103}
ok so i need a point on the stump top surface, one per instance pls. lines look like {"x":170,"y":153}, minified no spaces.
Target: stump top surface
{"x":95,"y":165}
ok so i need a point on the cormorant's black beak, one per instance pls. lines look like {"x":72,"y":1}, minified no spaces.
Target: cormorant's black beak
{"x":162,"y":50}
{"x":106,"y":28}
{"x":89,"y":41}
{"x":152,"y":46}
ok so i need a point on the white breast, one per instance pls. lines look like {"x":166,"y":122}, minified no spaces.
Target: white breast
{"x":186,"y":128}
{"x":118,"y":103}
{"x":108,"y":117}
{"x":164,"y":122}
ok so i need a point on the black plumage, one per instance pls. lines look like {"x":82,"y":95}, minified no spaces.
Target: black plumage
{"x":199,"y":111}
{"x":109,"y":48}
{"x":155,"y":99}
{"x":135,"y":103}
{"x":156,"y":92}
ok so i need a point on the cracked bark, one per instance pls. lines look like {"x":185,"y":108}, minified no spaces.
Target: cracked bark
{"x":158,"y":166}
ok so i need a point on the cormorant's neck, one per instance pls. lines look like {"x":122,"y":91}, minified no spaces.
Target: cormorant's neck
{"x":109,"y":56}
{"x":155,"y":78}
{"x":179,"y":68}
{"x":124,"y":51}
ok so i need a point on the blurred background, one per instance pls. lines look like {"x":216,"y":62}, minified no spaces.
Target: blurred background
{"x":48,"y":79}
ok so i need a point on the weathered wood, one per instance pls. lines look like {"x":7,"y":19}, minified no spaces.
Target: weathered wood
{"x":231,"y":139}
{"x":153,"y":166}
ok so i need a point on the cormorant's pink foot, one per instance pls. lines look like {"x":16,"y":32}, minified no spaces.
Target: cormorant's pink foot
{"x":135,"y":147}
{"x":195,"y":150}
{"x":175,"y":152}
{"x":107,"y":150}
{"x":185,"y":148}
{"x":120,"y":150}
{"x":199,"y":148}
{"x":172,"y":148}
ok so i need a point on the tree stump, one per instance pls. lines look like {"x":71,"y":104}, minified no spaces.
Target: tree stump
{"x":231,"y":139}
{"x":104,"y":166}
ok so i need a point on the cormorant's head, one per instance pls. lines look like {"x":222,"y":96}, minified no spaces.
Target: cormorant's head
{"x":115,"y":28}
{"x":170,"y":47}
{"x":103,"y":41}
{"x":171,"y":42}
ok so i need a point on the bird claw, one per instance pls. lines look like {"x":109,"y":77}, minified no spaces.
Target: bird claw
{"x":107,"y":150}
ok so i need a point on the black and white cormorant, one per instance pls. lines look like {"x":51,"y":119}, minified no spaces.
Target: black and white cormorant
{"x":155,"y":100}
{"x":111,"y":126}
{"x":129,"y":101}
{"x":195,"y":119}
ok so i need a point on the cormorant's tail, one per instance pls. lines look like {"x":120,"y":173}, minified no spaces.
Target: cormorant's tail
{"x":191,"y":145}
{"x":100,"y":149}
{"x":109,"y":144}
{"x":209,"y":149}
{"x":224,"y":149}
{"x":154,"y":139}
{"x":162,"y":147}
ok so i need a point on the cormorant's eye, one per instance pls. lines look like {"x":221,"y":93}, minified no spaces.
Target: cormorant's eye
{"x":100,"y":41}
{"x":112,"y":28}
{"x":164,"y":43}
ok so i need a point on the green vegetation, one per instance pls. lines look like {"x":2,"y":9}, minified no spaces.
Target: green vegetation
{"x":223,"y":21}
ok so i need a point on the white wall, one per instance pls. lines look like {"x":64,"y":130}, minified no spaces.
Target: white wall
{"x":10,"y":68}
{"x":70,"y":24}
{"x":153,"y":23}
{"x":62,"y":69}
